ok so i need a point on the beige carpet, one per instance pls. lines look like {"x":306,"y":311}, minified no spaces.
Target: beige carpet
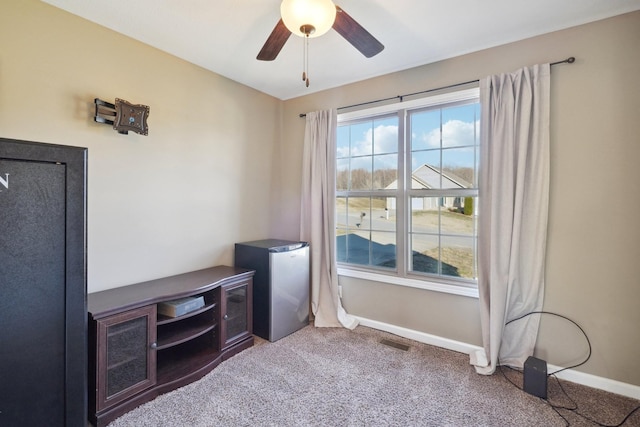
{"x":337,"y":377}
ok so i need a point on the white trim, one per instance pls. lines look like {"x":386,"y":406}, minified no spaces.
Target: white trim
{"x":422,"y":337}
{"x":463,"y":289}
{"x":577,"y":377}
{"x":412,"y":283}
{"x":601,"y":383}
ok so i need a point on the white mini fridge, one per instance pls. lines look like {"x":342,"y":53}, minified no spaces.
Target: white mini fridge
{"x":280,"y":285}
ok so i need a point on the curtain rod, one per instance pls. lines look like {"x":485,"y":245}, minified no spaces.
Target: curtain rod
{"x":569,"y":60}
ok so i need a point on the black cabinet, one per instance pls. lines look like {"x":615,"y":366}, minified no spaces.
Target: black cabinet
{"x":43,"y":333}
{"x":136,"y":353}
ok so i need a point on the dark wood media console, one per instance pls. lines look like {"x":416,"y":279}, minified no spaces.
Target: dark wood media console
{"x":135,"y":353}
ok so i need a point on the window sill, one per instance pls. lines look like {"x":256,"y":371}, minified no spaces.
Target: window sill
{"x":412,"y":283}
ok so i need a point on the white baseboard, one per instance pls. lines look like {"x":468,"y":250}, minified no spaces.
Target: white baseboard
{"x":419,"y":336}
{"x":606,"y":384}
{"x":578,"y":377}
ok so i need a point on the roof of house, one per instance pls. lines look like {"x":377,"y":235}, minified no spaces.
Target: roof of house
{"x":427,"y":176}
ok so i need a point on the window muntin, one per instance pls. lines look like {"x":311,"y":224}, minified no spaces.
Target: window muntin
{"x":420,"y":222}
{"x":444,"y":145}
{"x":367,"y":164}
{"x":367,"y":154}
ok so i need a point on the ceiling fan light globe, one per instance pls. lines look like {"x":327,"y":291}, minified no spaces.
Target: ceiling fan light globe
{"x":298,"y":14}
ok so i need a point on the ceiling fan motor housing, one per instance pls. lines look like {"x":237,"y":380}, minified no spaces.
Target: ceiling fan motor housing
{"x":307,"y":30}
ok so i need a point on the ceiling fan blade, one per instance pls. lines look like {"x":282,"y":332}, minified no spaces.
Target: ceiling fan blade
{"x":355,"y":34}
{"x":275,"y":42}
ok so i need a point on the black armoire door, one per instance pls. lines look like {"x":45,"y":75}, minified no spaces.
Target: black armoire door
{"x":42,"y":284}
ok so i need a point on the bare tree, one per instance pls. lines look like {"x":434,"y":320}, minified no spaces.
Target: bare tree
{"x":362,"y":179}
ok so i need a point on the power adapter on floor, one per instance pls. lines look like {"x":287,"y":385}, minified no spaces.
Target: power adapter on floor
{"x":535,"y":377}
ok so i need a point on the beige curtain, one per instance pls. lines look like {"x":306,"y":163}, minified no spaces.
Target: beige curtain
{"x":512,"y":213}
{"x":317,"y":222}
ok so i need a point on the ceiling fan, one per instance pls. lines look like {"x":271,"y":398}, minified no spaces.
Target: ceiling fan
{"x":313,"y":18}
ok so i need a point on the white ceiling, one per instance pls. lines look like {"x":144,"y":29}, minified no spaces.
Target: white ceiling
{"x":225,"y":36}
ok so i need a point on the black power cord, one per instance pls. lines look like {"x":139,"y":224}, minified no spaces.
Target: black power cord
{"x":565,"y":318}
{"x":586,"y":417}
{"x":574,"y":408}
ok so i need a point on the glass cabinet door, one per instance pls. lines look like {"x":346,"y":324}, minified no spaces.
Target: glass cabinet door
{"x":127,"y":359}
{"x":236,"y":313}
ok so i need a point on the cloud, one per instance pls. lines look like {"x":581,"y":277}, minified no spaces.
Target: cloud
{"x":385,"y":139}
{"x":455,"y":133}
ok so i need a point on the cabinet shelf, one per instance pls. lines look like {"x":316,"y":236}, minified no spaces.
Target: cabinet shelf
{"x":180,"y":335}
{"x":163,"y":320}
{"x":236,"y":318}
{"x":116,"y":365}
{"x":176,"y":363}
{"x":114,"y":332}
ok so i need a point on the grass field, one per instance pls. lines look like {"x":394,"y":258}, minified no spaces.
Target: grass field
{"x":461,"y":259}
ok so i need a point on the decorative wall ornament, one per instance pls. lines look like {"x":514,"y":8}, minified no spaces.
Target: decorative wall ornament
{"x":123,"y":115}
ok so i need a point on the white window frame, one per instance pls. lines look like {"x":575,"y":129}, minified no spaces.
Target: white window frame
{"x":401,"y":278}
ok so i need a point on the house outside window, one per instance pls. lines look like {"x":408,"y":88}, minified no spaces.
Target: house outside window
{"x":406,"y":192}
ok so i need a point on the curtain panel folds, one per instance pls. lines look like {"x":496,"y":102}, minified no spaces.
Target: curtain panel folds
{"x":317,"y":223}
{"x":512,"y":213}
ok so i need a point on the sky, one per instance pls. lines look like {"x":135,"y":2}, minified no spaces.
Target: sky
{"x":453,"y":141}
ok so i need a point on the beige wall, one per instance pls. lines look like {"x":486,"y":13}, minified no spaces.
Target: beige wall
{"x":170,"y":202}
{"x":594,"y":237}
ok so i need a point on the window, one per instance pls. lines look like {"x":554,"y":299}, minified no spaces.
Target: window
{"x":406,"y":189}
